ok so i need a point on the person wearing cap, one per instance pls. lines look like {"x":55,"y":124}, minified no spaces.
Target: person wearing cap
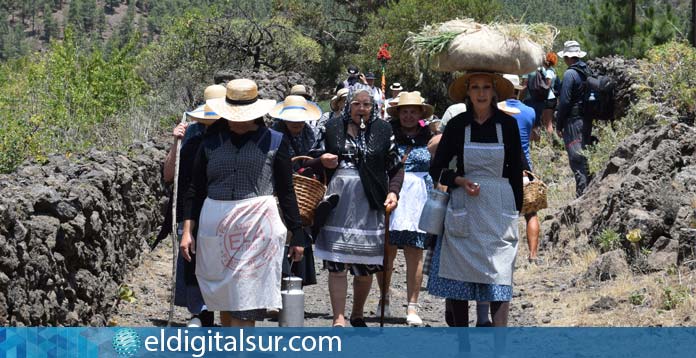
{"x":395,"y":89}
{"x":241,"y":169}
{"x":571,"y":123}
{"x":187,"y":293}
{"x":377,"y":95}
{"x":366,"y":176}
{"x":293,"y":114}
{"x":411,"y":137}
{"x":525,"y":122}
{"x":353,"y":78}
{"x":300,"y":90}
{"x":337,"y":103}
{"x":474,"y":258}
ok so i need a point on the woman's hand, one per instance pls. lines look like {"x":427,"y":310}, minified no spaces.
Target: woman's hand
{"x":329,"y":161}
{"x":187,"y":246}
{"x":296,"y":253}
{"x":179,"y":131}
{"x":471,"y":188}
{"x":391,"y":202}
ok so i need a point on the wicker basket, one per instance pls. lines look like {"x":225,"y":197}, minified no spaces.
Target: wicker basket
{"x":309,"y":193}
{"x":534,"y":195}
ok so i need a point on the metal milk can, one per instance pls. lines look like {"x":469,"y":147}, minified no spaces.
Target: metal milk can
{"x":292,"y":313}
{"x":432,"y":218}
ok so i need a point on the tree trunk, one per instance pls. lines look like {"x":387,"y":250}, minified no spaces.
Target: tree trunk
{"x":633,"y":22}
{"x":693,"y":22}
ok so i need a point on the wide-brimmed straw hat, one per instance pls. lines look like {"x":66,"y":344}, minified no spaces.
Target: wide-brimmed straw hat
{"x":203,"y":113}
{"x":507,"y":109}
{"x":458,"y":90}
{"x":241,"y":102}
{"x":572,"y":49}
{"x":342,"y":93}
{"x":410,"y":99}
{"x":296,"y":109}
{"x":300,"y":90}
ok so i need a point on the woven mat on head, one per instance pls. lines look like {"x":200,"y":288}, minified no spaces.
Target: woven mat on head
{"x":462,"y":45}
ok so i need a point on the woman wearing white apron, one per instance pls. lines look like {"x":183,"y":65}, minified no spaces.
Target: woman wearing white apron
{"x":411,"y":136}
{"x":240,"y":166}
{"x":475,"y":257}
{"x":366,"y":175}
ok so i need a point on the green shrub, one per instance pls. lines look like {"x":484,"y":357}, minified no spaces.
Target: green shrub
{"x":609,"y":240}
{"x":56,"y":103}
{"x":673,"y":297}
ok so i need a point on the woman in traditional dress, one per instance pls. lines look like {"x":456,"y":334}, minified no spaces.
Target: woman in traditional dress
{"x":294,"y":115}
{"x":239,"y":167}
{"x":474,"y":259}
{"x":187,"y":293}
{"x":411,"y":136}
{"x":366,"y":177}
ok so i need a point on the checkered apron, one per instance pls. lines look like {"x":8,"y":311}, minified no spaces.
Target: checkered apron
{"x":481,"y":233}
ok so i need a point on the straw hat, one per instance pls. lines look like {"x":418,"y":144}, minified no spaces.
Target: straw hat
{"x":572,"y":49}
{"x":459,"y":88}
{"x":507,"y":109}
{"x":296,"y":109}
{"x":203,"y":113}
{"x":241,"y":103}
{"x":410,"y":99}
{"x":343,"y":92}
{"x":214,"y":91}
{"x":515,"y":80}
{"x":300,"y":90}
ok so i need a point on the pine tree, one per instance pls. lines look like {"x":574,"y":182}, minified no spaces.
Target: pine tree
{"x":50,"y":26}
{"x":627,"y":28}
{"x":87,"y":14}
{"x":100,"y":17}
{"x":73,"y":18}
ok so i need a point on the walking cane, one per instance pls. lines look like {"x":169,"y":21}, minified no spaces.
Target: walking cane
{"x":175,"y":241}
{"x":383,"y":292}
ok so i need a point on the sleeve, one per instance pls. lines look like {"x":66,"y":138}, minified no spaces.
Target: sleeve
{"x":395,"y":168}
{"x":569,"y":79}
{"x":450,"y":144}
{"x":198,"y":189}
{"x":514,"y":160}
{"x":282,"y":171}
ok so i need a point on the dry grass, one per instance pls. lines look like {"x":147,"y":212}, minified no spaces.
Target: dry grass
{"x":665,"y":298}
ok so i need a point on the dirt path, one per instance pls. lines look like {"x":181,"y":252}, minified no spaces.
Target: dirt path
{"x":150,"y":282}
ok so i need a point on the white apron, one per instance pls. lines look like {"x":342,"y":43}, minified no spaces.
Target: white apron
{"x":481,"y":232}
{"x":412,"y":198}
{"x":240,"y":253}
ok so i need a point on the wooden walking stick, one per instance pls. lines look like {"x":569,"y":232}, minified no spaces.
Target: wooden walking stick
{"x":175,"y":241}
{"x":383,"y":292}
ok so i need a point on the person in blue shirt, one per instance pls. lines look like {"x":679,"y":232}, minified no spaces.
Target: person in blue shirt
{"x":571,"y":123}
{"x":525,"y":117}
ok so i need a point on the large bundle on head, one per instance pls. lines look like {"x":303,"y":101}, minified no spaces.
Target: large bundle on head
{"x":464,"y":45}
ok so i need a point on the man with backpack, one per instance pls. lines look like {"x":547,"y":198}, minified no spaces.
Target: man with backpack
{"x":573,"y":124}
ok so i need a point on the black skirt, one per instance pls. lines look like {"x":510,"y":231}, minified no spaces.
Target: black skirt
{"x":303,"y":268}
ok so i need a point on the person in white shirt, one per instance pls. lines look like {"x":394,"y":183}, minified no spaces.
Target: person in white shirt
{"x":395,"y":88}
{"x":377,"y":94}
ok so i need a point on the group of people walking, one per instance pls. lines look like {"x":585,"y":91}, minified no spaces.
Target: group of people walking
{"x":240,"y":227}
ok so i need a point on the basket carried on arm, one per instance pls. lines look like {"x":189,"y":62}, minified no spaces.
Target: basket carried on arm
{"x":534,"y":194}
{"x":309,"y":193}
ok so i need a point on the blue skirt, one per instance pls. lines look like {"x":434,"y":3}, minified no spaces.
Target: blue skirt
{"x":408,"y":238}
{"x":460,"y":290}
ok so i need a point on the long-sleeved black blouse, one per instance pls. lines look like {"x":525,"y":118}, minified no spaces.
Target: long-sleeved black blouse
{"x":452,"y":144}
